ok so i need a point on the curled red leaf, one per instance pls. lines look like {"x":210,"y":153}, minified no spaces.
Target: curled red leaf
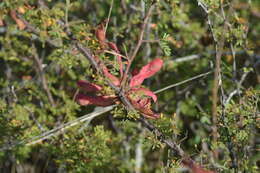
{"x":87,"y":86}
{"x":95,"y":100}
{"x":143,"y":105}
{"x":146,"y":72}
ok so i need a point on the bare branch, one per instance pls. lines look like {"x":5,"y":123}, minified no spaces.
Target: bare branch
{"x":42,"y":75}
{"x":182,"y":82}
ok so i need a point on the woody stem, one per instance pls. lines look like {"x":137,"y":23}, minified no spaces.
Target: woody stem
{"x":139,"y":43}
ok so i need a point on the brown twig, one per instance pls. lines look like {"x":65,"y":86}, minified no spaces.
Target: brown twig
{"x":217,"y":74}
{"x":139,"y":43}
{"x":219,"y":46}
{"x":42,"y":75}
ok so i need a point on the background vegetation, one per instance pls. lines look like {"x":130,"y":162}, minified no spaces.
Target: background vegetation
{"x":214,"y":118}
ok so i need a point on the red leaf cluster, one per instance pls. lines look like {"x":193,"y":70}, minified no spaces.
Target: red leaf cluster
{"x":140,"y":98}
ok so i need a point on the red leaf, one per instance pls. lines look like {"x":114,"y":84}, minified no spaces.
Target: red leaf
{"x":198,"y":169}
{"x":144,"y":91}
{"x":18,"y":21}
{"x":194,"y":167}
{"x":89,"y":86}
{"x":113,"y":79}
{"x":95,"y":100}
{"x":100,"y":34}
{"x":143,"y":105}
{"x":1,"y":22}
{"x":113,"y":46}
{"x":146,"y":72}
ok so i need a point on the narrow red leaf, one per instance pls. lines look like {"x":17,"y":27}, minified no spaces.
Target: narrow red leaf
{"x":113,"y":46}
{"x":146,"y":72}
{"x":87,"y":86}
{"x":95,"y":100}
{"x":113,"y":79}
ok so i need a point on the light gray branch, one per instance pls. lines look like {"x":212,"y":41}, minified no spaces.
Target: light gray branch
{"x":60,"y":129}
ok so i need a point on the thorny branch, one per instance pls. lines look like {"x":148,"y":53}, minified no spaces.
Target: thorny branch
{"x":173,"y":145}
{"x":62,"y":128}
{"x":186,"y":159}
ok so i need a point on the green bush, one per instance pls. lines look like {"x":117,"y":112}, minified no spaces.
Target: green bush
{"x":41,"y":64}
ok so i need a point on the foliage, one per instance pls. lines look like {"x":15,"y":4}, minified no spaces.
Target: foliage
{"x":40,"y":67}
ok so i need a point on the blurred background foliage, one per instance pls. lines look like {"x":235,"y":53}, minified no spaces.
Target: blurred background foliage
{"x":40,"y":68}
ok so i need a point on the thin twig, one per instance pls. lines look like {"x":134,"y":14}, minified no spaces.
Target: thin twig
{"x":183,"y":82}
{"x":217,"y":75}
{"x":219,"y":46}
{"x":114,"y":53}
{"x":42,"y":75}
{"x":139,"y":43}
{"x":236,"y":91}
{"x":40,"y":127}
{"x":186,"y":58}
{"x":60,"y":129}
{"x":109,"y":14}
